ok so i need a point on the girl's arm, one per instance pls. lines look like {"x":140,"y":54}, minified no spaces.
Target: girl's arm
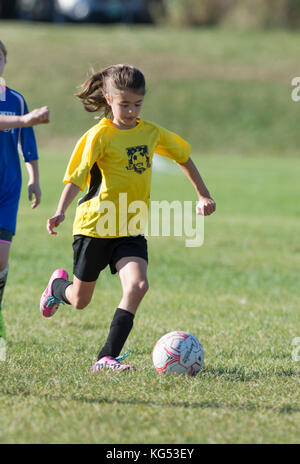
{"x":38,"y":116}
{"x":206,"y":204}
{"x":33,"y":183}
{"x":68,"y":195}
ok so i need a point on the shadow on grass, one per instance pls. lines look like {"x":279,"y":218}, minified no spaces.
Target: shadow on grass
{"x":285,"y":409}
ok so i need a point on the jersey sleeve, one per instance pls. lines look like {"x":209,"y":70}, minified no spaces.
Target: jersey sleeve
{"x":86,"y":152}
{"x":172,"y":146}
{"x":27,"y":142}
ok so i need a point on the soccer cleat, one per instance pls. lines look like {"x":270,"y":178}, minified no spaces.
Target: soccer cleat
{"x":108,"y":362}
{"x":49,"y":304}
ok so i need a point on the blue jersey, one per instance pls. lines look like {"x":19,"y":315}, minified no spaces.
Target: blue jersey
{"x":13,"y":103}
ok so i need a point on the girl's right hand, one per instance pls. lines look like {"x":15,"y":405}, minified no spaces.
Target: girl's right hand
{"x":54,"y":222}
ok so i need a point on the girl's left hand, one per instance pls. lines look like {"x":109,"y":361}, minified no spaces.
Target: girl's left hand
{"x":205,"y":206}
{"x":34,"y":194}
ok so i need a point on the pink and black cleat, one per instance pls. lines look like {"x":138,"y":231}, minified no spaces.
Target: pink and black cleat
{"x":108,"y":362}
{"x":49,"y":304}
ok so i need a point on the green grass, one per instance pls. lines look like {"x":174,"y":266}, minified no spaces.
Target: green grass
{"x":239,"y":294}
{"x":229,"y":94}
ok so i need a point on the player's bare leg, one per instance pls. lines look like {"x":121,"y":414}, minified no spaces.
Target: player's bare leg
{"x":4,"y":255}
{"x":80,"y":293}
{"x":133,"y":276}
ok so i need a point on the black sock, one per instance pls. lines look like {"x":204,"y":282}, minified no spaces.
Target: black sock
{"x":59,"y":289}
{"x":119,"y":330}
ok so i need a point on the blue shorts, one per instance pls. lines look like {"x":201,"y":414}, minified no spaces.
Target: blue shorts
{"x":8,"y":216}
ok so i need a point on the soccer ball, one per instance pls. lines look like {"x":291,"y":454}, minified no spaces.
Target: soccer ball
{"x":178,"y":352}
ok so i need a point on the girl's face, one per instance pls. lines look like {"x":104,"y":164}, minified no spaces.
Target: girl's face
{"x":126,"y":106}
{"x":2,"y":62}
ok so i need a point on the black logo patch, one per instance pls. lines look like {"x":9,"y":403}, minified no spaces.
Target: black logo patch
{"x":138,"y":159}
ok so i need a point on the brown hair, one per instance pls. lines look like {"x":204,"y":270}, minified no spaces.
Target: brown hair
{"x":3,"y":48}
{"x":118,"y":77}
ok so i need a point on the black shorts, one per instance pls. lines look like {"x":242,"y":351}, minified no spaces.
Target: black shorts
{"x":92,"y":255}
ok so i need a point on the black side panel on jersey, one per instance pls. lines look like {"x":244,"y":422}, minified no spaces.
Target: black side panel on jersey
{"x":95,"y":184}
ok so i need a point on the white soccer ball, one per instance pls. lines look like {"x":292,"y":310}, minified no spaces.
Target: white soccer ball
{"x":178,"y":352}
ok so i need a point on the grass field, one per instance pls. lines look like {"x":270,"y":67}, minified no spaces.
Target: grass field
{"x":238,"y":293}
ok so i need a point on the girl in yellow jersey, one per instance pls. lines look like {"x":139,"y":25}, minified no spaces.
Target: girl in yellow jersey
{"x":113,"y":158}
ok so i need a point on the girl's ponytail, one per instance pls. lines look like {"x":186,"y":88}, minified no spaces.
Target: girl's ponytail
{"x":92,"y":94}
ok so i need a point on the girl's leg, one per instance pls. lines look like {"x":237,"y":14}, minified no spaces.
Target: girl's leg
{"x":80,"y":293}
{"x":133,"y":276}
{"x":4,"y":254}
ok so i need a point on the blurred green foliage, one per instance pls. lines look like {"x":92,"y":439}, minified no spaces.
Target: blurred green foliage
{"x":224,"y":90}
{"x":241,"y":13}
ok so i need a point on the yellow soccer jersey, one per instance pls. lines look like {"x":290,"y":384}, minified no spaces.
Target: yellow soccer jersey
{"x":116,"y":165}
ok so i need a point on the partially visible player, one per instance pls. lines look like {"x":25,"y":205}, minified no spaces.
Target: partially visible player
{"x":14,"y":122}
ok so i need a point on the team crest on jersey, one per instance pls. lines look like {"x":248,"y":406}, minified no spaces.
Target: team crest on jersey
{"x":138,"y":159}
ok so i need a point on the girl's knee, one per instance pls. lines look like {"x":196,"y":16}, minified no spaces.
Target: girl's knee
{"x":144,"y":286}
{"x":138,"y":289}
